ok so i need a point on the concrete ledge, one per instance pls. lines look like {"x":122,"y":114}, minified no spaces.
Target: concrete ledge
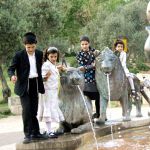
{"x":65,"y":142}
{"x":73,"y":142}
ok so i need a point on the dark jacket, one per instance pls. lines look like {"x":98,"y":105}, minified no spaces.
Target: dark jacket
{"x":20,"y":66}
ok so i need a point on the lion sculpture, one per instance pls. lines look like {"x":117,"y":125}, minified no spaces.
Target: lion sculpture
{"x":108,"y":64}
{"x":72,"y":104}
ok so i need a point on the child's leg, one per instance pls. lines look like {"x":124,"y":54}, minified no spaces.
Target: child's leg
{"x":133,"y":92}
{"x":131,"y":83}
{"x":95,"y":96}
{"x":49,"y":130}
{"x":48,"y":127}
{"x":97,"y":104}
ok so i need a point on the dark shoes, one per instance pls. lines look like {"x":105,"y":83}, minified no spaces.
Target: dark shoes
{"x":27,"y":140}
{"x":95,"y":115}
{"x":34,"y":138}
{"x":39,"y":137}
{"x":52,"y":135}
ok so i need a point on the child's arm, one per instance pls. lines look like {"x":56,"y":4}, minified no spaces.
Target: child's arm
{"x":123,"y":60}
{"x":12,"y":68}
{"x":47,"y":76}
{"x":61,"y":68}
{"x":84,"y":67}
{"x":45,"y":72}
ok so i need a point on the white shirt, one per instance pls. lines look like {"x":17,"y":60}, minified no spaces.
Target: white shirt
{"x":53,"y":81}
{"x":123,"y":58}
{"x":33,"y":70}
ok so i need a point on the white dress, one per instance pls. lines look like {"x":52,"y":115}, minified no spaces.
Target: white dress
{"x":48,"y":109}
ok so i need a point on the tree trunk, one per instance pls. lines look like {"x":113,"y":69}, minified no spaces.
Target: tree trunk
{"x":5,"y":89}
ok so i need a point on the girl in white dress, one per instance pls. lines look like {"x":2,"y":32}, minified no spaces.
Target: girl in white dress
{"x":49,"y":110}
{"x":119,"y":47}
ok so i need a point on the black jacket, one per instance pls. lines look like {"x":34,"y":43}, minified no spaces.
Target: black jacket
{"x":20,"y":66}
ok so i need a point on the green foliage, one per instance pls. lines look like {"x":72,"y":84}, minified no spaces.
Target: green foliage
{"x":71,"y":54}
{"x":72,"y":61}
{"x":2,"y":102}
{"x":142,"y":67}
{"x":45,"y":18}
{"x":111,"y":5}
{"x":66,"y":20}
{"x":61,"y":22}
{"x":127,"y":19}
{"x":18,"y":17}
{"x":78,"y":14}
{"x":60,"y":43}
{"x":137,"y":66}
{"x":134,"y":70}
{"x":71,"y":23}
{"x":4,"y":110}
{"x":8,"y":31}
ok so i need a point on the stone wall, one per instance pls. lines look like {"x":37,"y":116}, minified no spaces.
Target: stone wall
{"x":15,"y":105}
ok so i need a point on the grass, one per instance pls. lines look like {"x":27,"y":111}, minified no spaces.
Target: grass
{"x":3,"y":107}
{"x":4,"y":110}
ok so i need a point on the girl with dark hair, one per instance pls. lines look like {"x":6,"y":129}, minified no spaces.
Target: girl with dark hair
{"x":86,"y":60}
{"x":49,"y":110}
{"x":119,"y":50}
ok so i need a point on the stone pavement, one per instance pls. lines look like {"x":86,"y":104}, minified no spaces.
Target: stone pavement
{"x":11,"y":132}
{"x":11,"y":127}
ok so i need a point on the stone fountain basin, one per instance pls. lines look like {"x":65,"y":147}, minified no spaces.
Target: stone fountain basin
{"x":76,"y":141}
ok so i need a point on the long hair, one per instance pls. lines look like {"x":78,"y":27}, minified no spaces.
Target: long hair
{"x":50,"y":50}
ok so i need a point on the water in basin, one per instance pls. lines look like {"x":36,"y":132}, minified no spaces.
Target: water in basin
{"x":131,"y":139}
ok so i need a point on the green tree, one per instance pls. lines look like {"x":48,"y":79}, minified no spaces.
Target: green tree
{"x":8,"y":39}
{"x":78,"y":14}
{"x":127,"y":19}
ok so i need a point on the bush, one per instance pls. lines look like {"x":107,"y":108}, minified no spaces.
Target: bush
{"x":137,"y":66}
{"x":142,"y":67}
{"x":72,"y":61}
{"x":61,"y":44}
{"x":71,"y":54}
{"x":134,"y":70}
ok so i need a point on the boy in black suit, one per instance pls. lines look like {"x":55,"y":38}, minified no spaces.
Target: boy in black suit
{"x":25,"y":72}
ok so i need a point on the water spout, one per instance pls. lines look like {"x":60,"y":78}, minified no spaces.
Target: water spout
{"x":94,"y":135}
{"x":109,"y":104}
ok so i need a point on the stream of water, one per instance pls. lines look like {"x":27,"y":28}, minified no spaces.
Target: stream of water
{"x":109,"y":105}
{"x":94,"y":135}
{"x":131,"y":139}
